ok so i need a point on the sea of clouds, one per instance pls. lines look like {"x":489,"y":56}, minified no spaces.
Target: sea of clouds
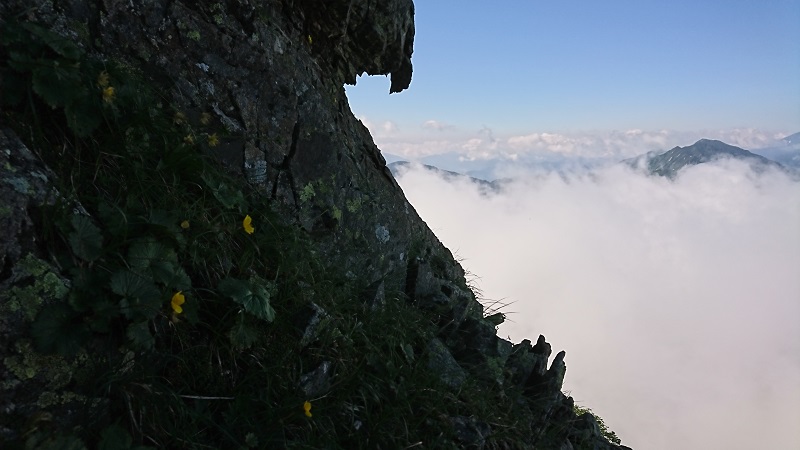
{"x":677,"y":302}
{"x":432,"y":138}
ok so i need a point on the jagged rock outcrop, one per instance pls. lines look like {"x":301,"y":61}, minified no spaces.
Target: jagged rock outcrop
{"x":271,"y":74}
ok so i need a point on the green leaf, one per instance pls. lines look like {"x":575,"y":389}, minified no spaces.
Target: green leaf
{"x":130,"y":284}
{"x":149,"y":255}
{"x":61,"y":45}
{"x":86,"y":240}
{"x":13,"y":33}
{"x":146,"y":252}
{"x":22,"y":61}
{"x":105,"y":312}
{"x":58,"y":83}
{"x":163,"y":219}
{"x":222,"y":192}
{"x":253,"y":295}
{"x":84,"y":115}
{"x":258,"y":303}
{"x":171,"y":275}
{"x":141,"y":298}
{"x":233,"y":288}
{"x":87,"y":287}
{"x":140,"y":336}
{"x":114,"y":218}
{"x":243,"y":335}
{"x":57,"y":329}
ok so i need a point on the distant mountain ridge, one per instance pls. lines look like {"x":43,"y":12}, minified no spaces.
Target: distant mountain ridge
{"x":657,"y":163}
{"x":792,"y":139}
{"x":399,"y":167}
{"x":669,"y":163}
{"x":788,"y":153}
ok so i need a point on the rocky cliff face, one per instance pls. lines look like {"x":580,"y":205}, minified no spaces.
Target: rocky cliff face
{"x":270,"y":75}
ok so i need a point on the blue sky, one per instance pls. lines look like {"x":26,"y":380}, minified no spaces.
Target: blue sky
{"x":520,"y":67}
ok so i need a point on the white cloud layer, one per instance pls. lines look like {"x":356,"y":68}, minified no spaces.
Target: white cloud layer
{"x":485,"y":144}
{"x":389,"y":127}
{"x":381,"y":130}
{"x":436,"y":125}
{"x":678,"y":303}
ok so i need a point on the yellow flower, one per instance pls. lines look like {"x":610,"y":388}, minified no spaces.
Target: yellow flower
{"x":102,"y":79}
{"x":109,"y":94}
{"x":247,"y":224}
{"x":177,"y":300}
{"x":307,"y":408}
{"x":189,"y":139}
{"x":185,"y":224}
{"x":310,"y":41}
{"x":213,"y":140}
{"x":205,"y":118}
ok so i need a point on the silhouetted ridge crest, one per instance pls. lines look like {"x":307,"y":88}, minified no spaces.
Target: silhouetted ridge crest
{"x":671,"y":162}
